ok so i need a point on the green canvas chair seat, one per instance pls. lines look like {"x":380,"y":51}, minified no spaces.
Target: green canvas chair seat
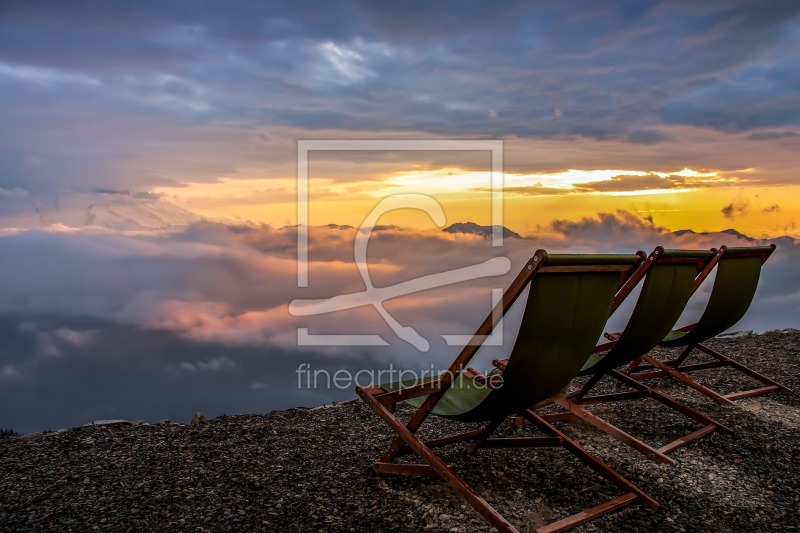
{"x":463,"y":396}
{"x":733,"y":292}
{"x":666,"y":290}
{"x":737,"y":277}
{"x":669,"y":277}
{"x":564,"y":313}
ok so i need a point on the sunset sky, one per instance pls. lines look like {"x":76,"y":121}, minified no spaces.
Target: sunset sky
{"x":149,"y":160}
{"x":685,"y":111}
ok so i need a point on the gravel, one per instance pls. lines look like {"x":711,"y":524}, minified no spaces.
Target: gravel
{"x":309,"y":469}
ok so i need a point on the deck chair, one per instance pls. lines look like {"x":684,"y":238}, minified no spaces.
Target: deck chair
{"x":669,"y":277}
{"x":738,"y":272}
{"x":564,"y":314}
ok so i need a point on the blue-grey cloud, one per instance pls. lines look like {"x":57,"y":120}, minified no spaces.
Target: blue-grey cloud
{"x":126,"y":95}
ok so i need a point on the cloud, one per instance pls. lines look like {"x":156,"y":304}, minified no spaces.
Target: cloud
{"x":638,"y":183}
{"x":130,"y":373}
{"x":615,"y":232}
{"x":735,"y":208}
{"x":215,"y":365}
{"x":114,"y":309}
{"x":535,"y":190}
{"x":161,"y":323}
{"x":16,"y":192}
{"x":8,"y":372}
{"x":159,"y":94}
{"x":771,"y":135}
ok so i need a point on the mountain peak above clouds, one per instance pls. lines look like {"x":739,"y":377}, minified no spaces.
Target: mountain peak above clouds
{"x":733,"y":233}
{"x":783,"y":240}
{"x":729,"y":232}
{"x":471,"y":228}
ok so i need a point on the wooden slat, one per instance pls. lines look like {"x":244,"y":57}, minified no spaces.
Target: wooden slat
{"x":522,"y":442}
{"x":693,"y":436}
{"x":751,"y":392}
{"x":699,"y":366}
{"x":407,"y":469}
{"x":586,"y":268}
{"x":555,"y":417}
{"x":408,"y":392}
{"x":742,"y":368}
{"x":612,"y":430}
{"x":437,"y":464}
{"x":452,"y":439}
{"x":471,"y":348}
{"x":695,"y":415}
{"x":686,"y":380}
{"x":591,"y":461}
{"x":644,"y":376}
{"x":614,"y":397}
{"x":589,"y":514}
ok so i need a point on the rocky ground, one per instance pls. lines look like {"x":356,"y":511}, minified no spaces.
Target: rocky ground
{"x":309,"y":470}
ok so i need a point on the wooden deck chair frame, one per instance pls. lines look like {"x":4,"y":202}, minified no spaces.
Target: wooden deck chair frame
{"x":657,"y":309}
{"x":677,"y":369}
{"x":430,"y":393}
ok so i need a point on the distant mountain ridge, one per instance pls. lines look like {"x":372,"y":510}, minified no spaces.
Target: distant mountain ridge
{"x":730,"y":231}
{"x":471,"y":228}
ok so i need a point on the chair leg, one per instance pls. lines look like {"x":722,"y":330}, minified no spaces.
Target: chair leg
{"x":645,"y":372}
{"x":434,"y":466}
{"x":682,"y":357}
{"x":641,"y":391}
{"x":670,"y":402}
{"x":771,"y":385}
{"x":437,"y":465}
{"x":484,"y":436}
{"x":590,"y":460}
{"x":632,"y":367}
{"x":686,"y":380}
{"x":641,"y":371}
{"x":614,"y":431}
{"x":588,"y":386}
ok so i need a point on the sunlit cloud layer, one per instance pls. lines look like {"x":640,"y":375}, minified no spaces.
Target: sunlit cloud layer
{"x":200,"y":313}
{"x":149,"y":163}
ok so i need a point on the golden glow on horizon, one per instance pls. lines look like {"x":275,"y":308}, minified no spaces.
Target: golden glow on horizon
{"x":644,"y":192}
{"x":571,"y":181}
{"x":443,"y":180}
{"x":688,"y":199}
{"x":569,"y":178}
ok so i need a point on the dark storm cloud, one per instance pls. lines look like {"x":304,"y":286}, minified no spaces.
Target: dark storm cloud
{"x":124,"y":94}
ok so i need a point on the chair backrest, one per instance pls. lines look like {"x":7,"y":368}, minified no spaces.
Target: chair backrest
{"x":738,"y":272}
{"x":669,"y":277}
{"x":567,"y":307}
